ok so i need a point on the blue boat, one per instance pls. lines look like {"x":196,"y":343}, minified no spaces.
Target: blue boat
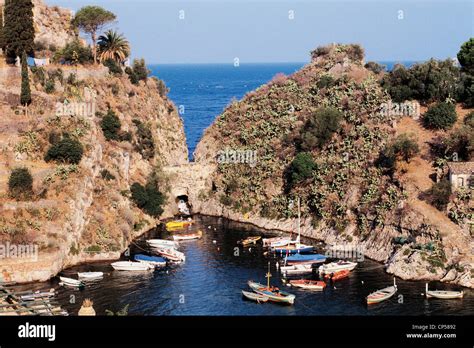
{"x":294,"y":249}
{"x":307,"y":258}
{"x":153,"y":260}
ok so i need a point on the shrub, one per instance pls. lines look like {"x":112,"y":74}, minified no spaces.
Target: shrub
{"x":20,"y":183}
{"x":114,"y":67}
{"x":49,"y":86}
{"x":405,"y":147}
{"x":375,"y":67}
{"x":39,"y":75}
{"x":466,"y":56}
{"x":110,"y":125}
{"x":148,"y":198}
{"x":138,"y":72}
{"x":106,"y":175}
{"x":469,"y":119}
{"x":319,"y":128}
{"x":145,"y":143}
{"x":439,"y":194}
{"x":326,"y":81}
{"x":440,"y":116}
{"x":301,"y":168}
{"x":74,"y":53}
{"x":67,"y":150}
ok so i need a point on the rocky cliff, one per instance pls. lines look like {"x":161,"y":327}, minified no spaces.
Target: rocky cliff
{"x":348,"y":202}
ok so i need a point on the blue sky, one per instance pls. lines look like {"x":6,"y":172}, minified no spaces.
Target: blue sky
{"x":261,"y":31}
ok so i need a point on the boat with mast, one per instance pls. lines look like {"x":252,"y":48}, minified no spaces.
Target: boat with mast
{"x":273,"y":293}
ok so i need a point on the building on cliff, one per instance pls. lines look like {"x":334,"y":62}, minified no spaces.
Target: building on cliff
{"x":461,"y":174}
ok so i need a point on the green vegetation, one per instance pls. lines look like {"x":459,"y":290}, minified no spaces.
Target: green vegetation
{"x":113,"y":46}
{"x":74,"y":53}
{"x":375,"y":67}
{"x":148,"y":198}
{"x":320,"y":127}
{"x":440,"y":116}
{"x":466,"y":56}
{"x":110,"y":125}
{"x":67,"y":150}
{"x":20,"y":183}
{"x":301,"y":168}
{"x":138,"y":72}
{"x":114,"y":67}
{"x":439,"y":194}
{"x":18,"y":30}
{"x":25,"y":97}
{"x":2,"y":37}
{"x":107,"y":175}
{"x":144,"y":143}
{"x":91,"y":20}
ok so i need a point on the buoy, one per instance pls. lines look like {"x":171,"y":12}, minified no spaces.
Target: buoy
{"x":277,"y":265}
{"x":362,"y":281}
{"x":214,"y":241}
{"x":209,"y":227}
{"x":250,"y":249}
{"x":218,"y":249}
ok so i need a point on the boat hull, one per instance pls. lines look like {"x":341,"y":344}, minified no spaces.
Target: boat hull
{"x":280,"y":297}
{"x":131,"y":266}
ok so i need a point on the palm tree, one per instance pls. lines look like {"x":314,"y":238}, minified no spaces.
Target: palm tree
{"x":113,"y":45}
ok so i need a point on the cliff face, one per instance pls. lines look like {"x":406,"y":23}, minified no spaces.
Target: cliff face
{"x":347,"y":202}
{"x":80,"y":213}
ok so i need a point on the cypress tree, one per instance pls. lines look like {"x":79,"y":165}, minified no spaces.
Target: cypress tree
{"x":25,"y":98}
{"x":2,"y":44}
{"x":18,"y":29}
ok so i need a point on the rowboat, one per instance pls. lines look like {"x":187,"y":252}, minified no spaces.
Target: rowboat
{"x":131,"y":266}
{"x":189,"y":236}
{"x":276,"y":241}
{"x":273,"y":293}
{"x":296,"y":269}
{"x":39,"y":295}
{"x":151,"y":260}
{"x":305,"y":259}
{"x":443,"y":294}
{"x":308,"y":284}
{"x":254,"y":296}
{"x":161,"y":243}
{"x":334,"y":267}
{"x":171,"y":254}
{"x":337,"y":276}
{"x":382,"y":294}
{"x":85,"y":276}
{"x":176,"y":224}
{"x":71,"y":282}
{"x":293,"y":249}
{"x":250,"y":240}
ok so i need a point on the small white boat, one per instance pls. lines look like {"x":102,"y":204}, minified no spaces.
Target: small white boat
{"x":71,"y":282}
{"x":276,"y":241}
{"x":334,"y":267}
{"x":308,"y":284}
{"x":38,"y":295}
{"x":162,"y":243}
{"x":189,"y":236}
{"x":131,"y":266}
{"x":382,"y":294}
{"x":171,"y":254}
{"x":90,"y":275}
{"x":254,"y":296}
{"x":443,"y":294}
{"x":296,"y":269}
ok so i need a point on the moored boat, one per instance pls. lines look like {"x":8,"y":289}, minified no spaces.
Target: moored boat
{"x":276,"y":241}
{"x":188,"y":236}
{"x":308,"y":284}
{"x":85,"y":276}
{"x":177,"y":224}
{"x":443,"y":294}
{"x":152,"y":260}
{"x":305,"y":259}
{"x":39,"y":295}
{"x":250,"y":240}
{"x":162,"y":243}
{"x":71,"y":282}
{"x":297,"y":248}
{"x":382,"y":294}
{"x":131,"y":266}
{"x":334,"y":267}
{"x":296,"y":269}
{"x":171,"y":254}
{"x":337,"y":275}
{"x":274,"y":294}
{"x":254,"y":296}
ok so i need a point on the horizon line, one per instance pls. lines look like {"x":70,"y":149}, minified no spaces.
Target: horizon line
{"x":283,"y":62}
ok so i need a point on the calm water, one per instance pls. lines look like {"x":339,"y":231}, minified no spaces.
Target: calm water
{"x":211,"y":280}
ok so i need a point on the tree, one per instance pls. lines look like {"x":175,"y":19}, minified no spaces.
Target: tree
{"x":405,"y":147}
{"x":74,"y":52}
{"x":110,"y":125}
{"x":466,"y":56}
{"x":20,"y":183}
{"x":18,"y":30}
{"x":66,"y":150}
{"x":138,"y":72}
{"x":148,"y":198}
{"x":439,"y":194}
{"x":25,"y":98}
{"x":301,"y":168}
{"x":319,"y":128}
{"x":2,"y":41}
{"x":91,"y":20}
{"x":114,"y":46}
{"x":440,"y":116}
